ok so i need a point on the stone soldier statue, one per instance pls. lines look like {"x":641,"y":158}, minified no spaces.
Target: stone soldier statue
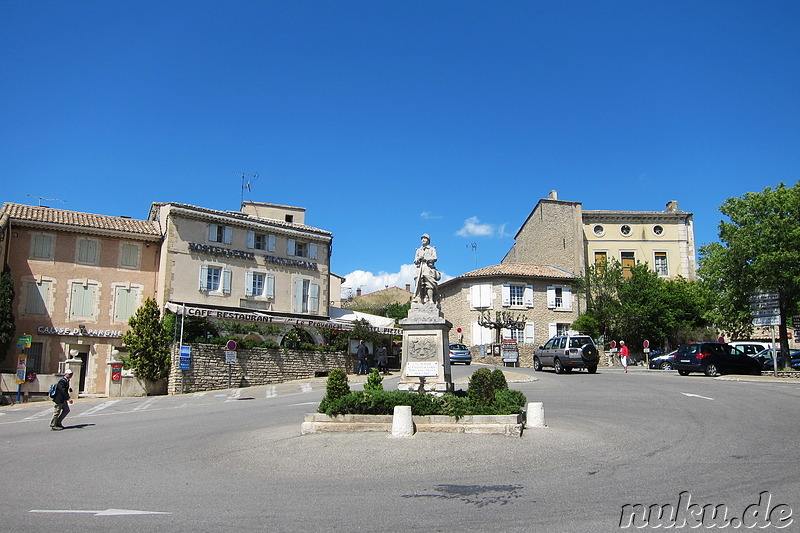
{"x":427,"y":275}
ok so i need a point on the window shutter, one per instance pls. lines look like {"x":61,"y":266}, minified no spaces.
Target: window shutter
{"x":270,"y":243}
{"x":566,"y":297}
{"x":248,"y":283}
{"x":475,"y":296}
{"x":505,"y":333}
{"x":528,"y":297}
{"x":227,"y":234}
{"x":203,"y":277}
{"x":251,"y":239}
{"x":312,"y":250}
{"x":506,"y":295}
{"x":476,"y":334}
{"x":226,"y":280}
{"x":298,"y":295}
{"x":290,"y":247}
{"x":486,"y":295}
{"x":530,"y":333}
{"x":313,"y":300}
{"x":270,"y":286}
{"x":553,"y":329}
{"x":551,"y":298}
{"x":212,"y":232}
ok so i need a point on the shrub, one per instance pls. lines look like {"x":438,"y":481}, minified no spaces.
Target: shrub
{"x":374,"y":381}
{"x":481,"y":387}
{"x":336,"y":387}
{"x":499,"y":381}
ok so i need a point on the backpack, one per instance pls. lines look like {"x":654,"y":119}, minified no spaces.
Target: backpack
{"x":52,"y":392}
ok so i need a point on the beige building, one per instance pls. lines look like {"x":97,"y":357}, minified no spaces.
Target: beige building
{"x":260,"y":259}
{"x":563,"y":235}
{"x":78,"y":278}
{"x":542,"y":297}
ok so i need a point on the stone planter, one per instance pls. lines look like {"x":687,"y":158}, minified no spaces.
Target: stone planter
{"x":510,"y":425}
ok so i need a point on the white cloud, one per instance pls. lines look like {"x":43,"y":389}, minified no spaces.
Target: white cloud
{"x":370,"y":282}
{"x":429,"y":216}
{"x":473,"y":228}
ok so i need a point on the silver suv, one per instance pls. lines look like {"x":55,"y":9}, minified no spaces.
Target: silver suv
{"x":567,"y":351}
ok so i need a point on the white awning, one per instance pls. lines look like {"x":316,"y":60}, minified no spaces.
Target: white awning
{"x":346,"y":315}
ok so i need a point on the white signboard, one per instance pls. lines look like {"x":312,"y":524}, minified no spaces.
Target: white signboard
{"x":230,"y":357}
{"x":422,"y":369}
{"x":767,"y":321}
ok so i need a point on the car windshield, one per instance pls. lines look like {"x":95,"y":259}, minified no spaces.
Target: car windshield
{"x":457,"y":347}
{"x":577,"y":342}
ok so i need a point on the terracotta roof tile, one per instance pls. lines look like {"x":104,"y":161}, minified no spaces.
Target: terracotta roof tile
{"x":520,"y":269}
{"x":74,"y":220}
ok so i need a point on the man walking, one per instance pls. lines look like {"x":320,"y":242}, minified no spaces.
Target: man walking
{"x":363,"y":354}
{"x":62,"y":401}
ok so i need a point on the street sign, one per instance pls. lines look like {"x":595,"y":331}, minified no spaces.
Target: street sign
{"x":796,"y":322}
{"x":767,"y":321}
{"x":764,"y":297}
{"x":772,"y":304}
{"x":24,"y":341}
{"x":764,"y":312}
{"x":185,"y":362}
{"x":230,"y":357}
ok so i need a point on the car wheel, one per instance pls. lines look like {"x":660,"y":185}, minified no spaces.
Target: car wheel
{"x":683,"y":372}
{"x":666,"y":365}
{"x":711,"y":370}
{"x":591,"y":369}
{"x":537,"y":365}
{"x":468,"y":363}
{"x":558,"y":366}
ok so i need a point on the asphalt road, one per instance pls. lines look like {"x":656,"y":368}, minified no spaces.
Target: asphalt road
{"x":234,"y":460}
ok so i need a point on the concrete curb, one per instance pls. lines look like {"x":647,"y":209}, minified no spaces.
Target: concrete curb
{"x":509,"y":425}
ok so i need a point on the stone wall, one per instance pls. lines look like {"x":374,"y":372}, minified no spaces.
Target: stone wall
{"x":257,"y":366}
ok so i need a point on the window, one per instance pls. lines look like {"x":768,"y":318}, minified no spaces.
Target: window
{"x":481,"y":296}
{"x":215,"y":279}
{"x":301,"y":249}
{"x":37,"y":297}
{"x":628,"y":259}
{"x":661,"y":264}
{"x":601,"y":261}
{"x":558,"y":328}
{"x":82,"y":303}
{"x":559,"y":297}
{"x":42,"y":246}
{"x":129,"y":255}
{"x":658,"y":230}
{"x":125,"y":303}
{"x":515,"y":334}
{"x":34,"y":357}
{"x":261,"y":241}
{"x":220,"y":233}
{"x":625,"y":230}
{"x":481,"y":335}
{"x":88,"y":251}
{"x":517,"y":295}
{"x":306,"y":296}
{"x":598,"y":230}
{"x":260,"y":284}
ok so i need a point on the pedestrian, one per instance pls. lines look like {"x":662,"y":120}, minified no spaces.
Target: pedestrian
{"x":623,"y":356}
{"x":363,"y":358}
{"x":382,"y":360}
{"x":62,"y":400}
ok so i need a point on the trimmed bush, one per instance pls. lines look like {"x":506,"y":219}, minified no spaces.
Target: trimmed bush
{"x":336,"y":387}
{"x":481,"y":387}
{"x":499,"y":381}
{"x":374,"y":381}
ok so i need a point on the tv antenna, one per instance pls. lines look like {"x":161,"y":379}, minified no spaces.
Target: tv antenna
{"x":40,"y":198}
{"x":475,"y":251}
{"x":246,"y":182}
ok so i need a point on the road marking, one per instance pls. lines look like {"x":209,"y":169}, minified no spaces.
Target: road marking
{"x":107,"y":512}
{"x":696,"y":396}
{"x":272,"y":392}
{"x":306,"y":387}
{"x":305,"y":403}
{"x":146,"y":404}
{"x":234,"y":395}
{"x":97,"y":408}
{"x":41,"y":414}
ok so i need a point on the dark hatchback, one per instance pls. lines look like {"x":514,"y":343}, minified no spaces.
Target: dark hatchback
{"x":713,"y":358}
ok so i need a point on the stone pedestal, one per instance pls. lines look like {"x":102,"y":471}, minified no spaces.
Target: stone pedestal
{"x":426,"y":359}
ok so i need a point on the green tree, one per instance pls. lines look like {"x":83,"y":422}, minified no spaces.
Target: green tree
{"x":148,"y":343}
{"x":758,"y":251}
{"x":7,"y":326}
{"x":601,"y":284}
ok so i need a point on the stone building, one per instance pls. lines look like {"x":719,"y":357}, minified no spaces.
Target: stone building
{"x":78,"y":278}
{"x":543,"y":297}
{"x":564,"y":235}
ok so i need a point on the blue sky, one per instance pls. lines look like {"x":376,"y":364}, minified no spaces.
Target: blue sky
{"x":387,"y":119}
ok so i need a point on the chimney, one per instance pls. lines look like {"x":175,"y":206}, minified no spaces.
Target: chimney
{"x":553,"y":195}
{"x":672,"y":206}
{"x":408,"y":287}
{"x":358,"y":292}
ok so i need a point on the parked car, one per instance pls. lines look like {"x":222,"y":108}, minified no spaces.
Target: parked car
{"x":750,"y":347}
{"x":765,"y":359}
{"x":459,"y":353}
{"x":713,"y":358}
{"x":565,"y":352}
{"x":663,"y":362}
